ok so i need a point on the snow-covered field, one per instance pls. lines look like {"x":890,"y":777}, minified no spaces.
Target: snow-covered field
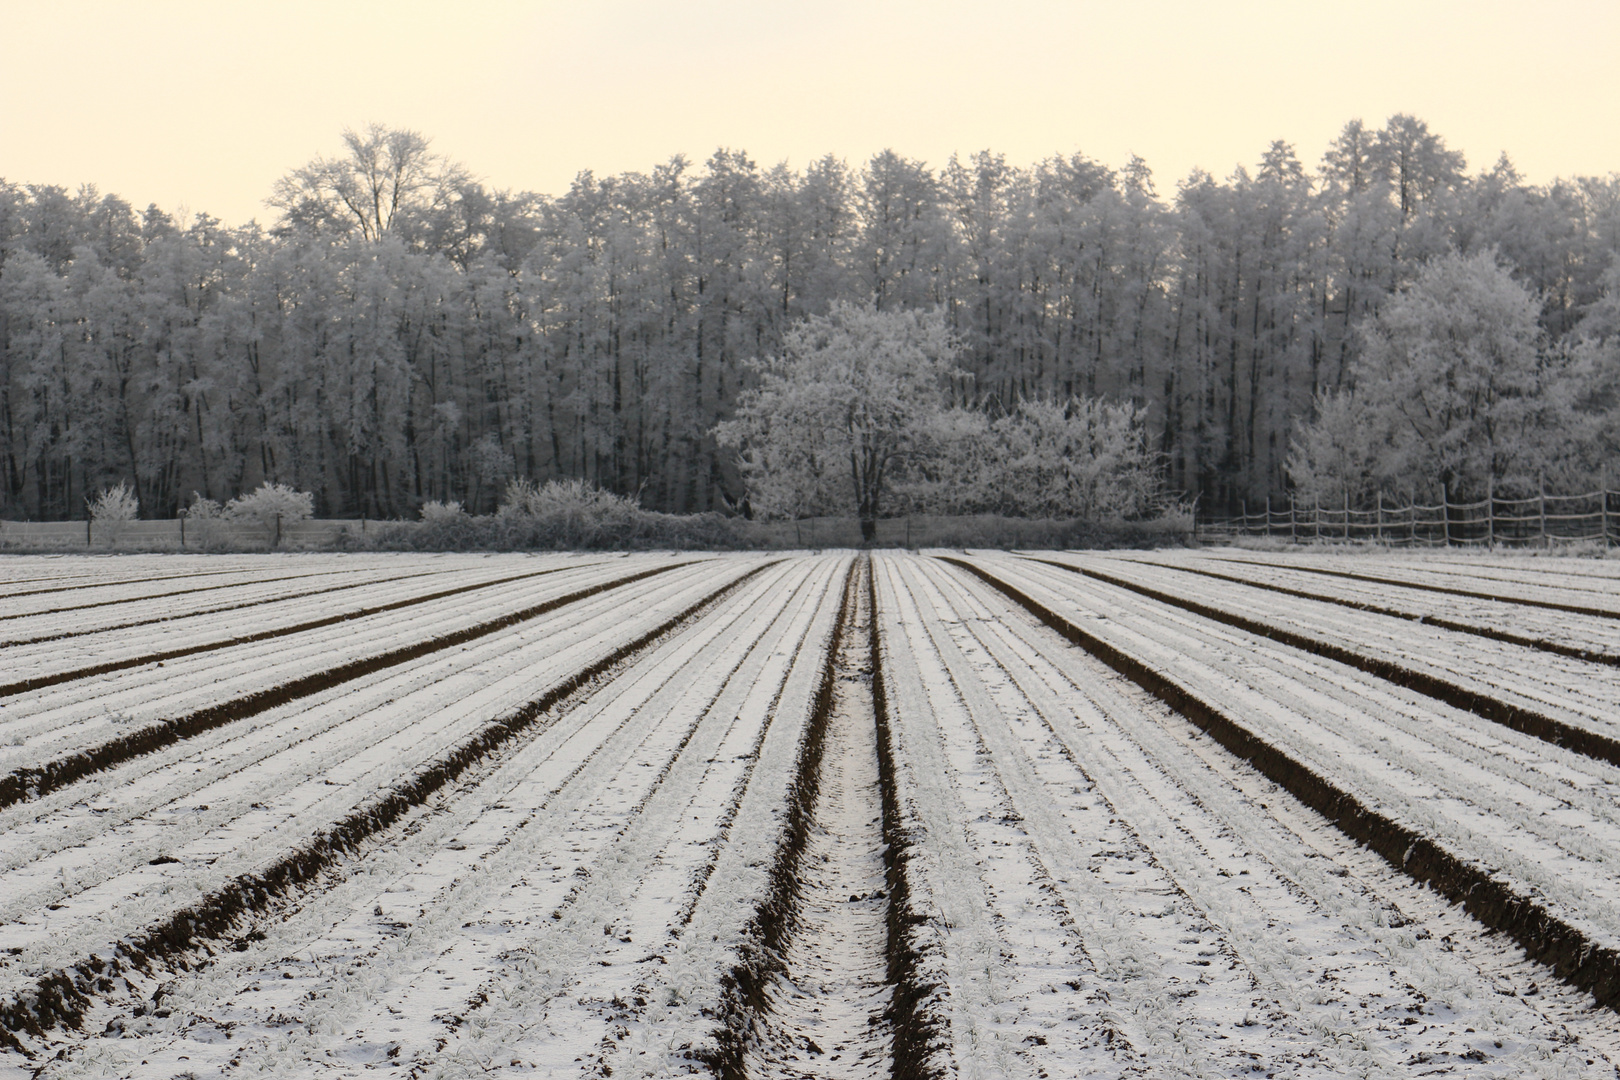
{"x":1197,"y":813}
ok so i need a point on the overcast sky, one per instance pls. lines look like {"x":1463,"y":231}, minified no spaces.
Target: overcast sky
{"x":202,"y":105}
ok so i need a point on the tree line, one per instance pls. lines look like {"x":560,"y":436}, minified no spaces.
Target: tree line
{"x":400,"y":334}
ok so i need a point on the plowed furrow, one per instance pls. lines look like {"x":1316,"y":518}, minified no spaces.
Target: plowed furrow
{"x":155,"y":579}
{"x":220,"y":797}
{"x":813,"y":998}
{"x":1577,"y":959}
{"x":57,"y":678}
{"x":1541,"y":817}
{"x":61,"y":997}
{"x":1447,"y":590}
{"x":1520,"y":719}
{"x":1594,"y":656}
{"x":163,"y":596}
{"x":198,"y":613}
{"x":1334,"y":951}
{"x":34,"y":781}
{"x":472,"y":886}
{"x":575,"y":969}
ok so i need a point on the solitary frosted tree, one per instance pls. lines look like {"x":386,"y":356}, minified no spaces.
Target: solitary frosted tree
{"x":853,"y":398}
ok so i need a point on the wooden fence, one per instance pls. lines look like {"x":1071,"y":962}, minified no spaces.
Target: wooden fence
{"x":1541,"y":520}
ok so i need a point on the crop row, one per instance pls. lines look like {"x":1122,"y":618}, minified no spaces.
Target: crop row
{"x":558,"y":815}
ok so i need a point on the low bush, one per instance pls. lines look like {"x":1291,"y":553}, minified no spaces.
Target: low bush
{"x":560,"y":515}
{"x":114,"y":505}
{"x":270,"y":502}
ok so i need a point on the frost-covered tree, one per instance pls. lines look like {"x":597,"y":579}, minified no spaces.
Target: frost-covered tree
{"x":388,"y":180}
{"x":269,"y":503}
{"x":1080,"y":458}
{"x":843,"y":413}
{"x":403,"y":336}
{"x":1450,"y":391}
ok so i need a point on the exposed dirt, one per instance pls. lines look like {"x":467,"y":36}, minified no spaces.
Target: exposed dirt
{"x":825,"y":1012}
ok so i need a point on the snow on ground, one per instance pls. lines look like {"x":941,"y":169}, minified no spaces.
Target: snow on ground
{"x":1092,"y":887}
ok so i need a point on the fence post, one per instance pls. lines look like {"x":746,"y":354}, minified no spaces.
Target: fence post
{"x":1347,"y":515}
{"x":278,"y":531}
{"x":1445,"y":508}
{"x":182,"y":530}
{"x":1490,"y":512}
{"x":1243,"y":510}
{"x":86,"y":532}
{"x":1293,"y":528}
{"x":1380,"y":517}
{"x":1268,"y":517}
{"x":1541,"y":488}
{"x":1603,"y":515}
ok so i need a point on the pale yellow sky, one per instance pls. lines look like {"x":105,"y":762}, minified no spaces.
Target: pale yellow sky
{"x":202,"y":105}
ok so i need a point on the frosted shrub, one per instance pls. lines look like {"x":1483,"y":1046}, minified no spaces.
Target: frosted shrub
{"x":568,"y":513}
{"x":1076,"y":459}
{"x":111,"y":510}
{"x":560,"y":514}
{"x":114,"y":506}
{"x":270,"y":502}
{"x":567,"y":498}
{"x":1081,"y":458}
{"x":202,"y":508}
{"x":439,"y":513}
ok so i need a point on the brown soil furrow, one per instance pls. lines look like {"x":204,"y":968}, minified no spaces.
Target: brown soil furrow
{"x":780,"y":917}
{"x":60,"y":998}
{"x":42,"y":681}
{"x":36,"y":780}
{"x":917,"y":1032}
{"x":1571,"y":954}
{"x":1592,"y":655}
{"x":647,"y":835}
{"x":128,"y":581}
{"x":746,"y":985}
{"x":1446,"y":590}
{"x":1526,"y":721}
{"x":162,"y":596}
{"x":223,"y":609}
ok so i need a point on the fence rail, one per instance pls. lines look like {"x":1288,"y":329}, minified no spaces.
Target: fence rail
{"x":176,"y":534}
{"x":1540,"y":520}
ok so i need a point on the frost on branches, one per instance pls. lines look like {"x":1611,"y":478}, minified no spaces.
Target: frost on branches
{"x":849,"y":408}
{"x":863,"y":411}
{"x":115,"y":505}
{"x":1458,"y":392}
{"x":269,"y":503}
